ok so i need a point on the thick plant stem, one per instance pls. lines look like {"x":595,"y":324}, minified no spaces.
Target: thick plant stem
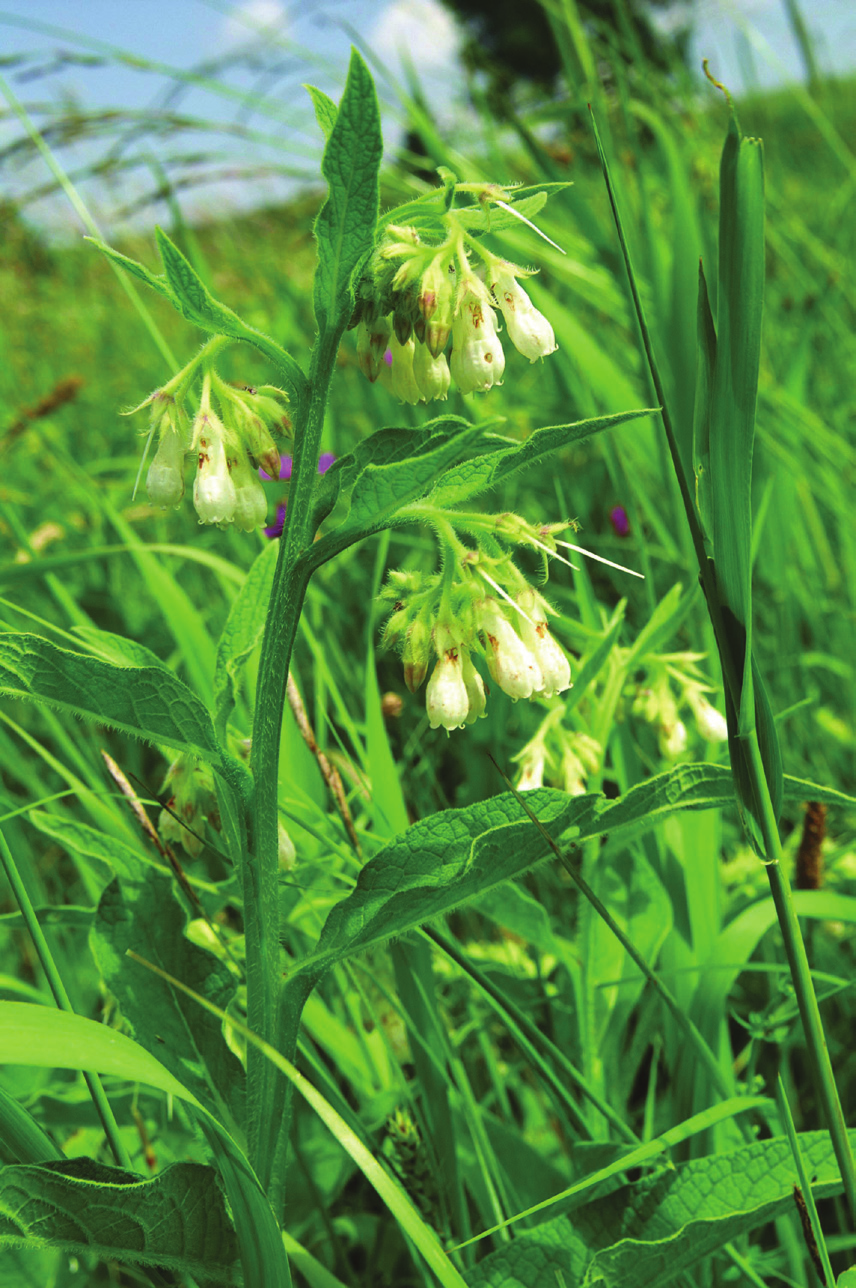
{"x":266,"y":1086}
{"x":40,"y":943}
{"x":780,"y":888}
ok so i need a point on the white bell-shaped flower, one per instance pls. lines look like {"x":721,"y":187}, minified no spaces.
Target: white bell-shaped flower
{"x":474,"y":685}
{"x":555,"y":667}
{"x":165,"y":479}
{"x":529,"y":331}
{"x":250,"y":500}
{"x":432,"y":374}
{"x":509,"y":661}
{"x":711,"y":724}
{"x":478,"y":361}
{"x":446,"y":699}
{"x":402,"y":378}
{"x":213,"y":489}
{"x":673,"y":739}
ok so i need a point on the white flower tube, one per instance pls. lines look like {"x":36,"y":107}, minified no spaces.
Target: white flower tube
{"x":711,"y":724}
{"x":529,"y":331}
{"x":474,"y":685}
{"x":478,"y":361}
{"x":403,"y":380}
{"x":510,"y":662}
{"x":213,"y":489}
{"x":165,"y":479}
{"x":432,"y":374}
{"x":250,"y":500}
{"x":555,"y":667}
{"x":446,"y":699}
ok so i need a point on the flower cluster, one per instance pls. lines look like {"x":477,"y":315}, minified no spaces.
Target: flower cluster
{"x":418,"y":295}
{"x":672,"y":682}
{"x":231,"y":436}
{"x":558,"y":756}
{"x":449,"y":618}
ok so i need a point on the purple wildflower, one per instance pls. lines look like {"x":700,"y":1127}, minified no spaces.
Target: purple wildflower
{"x":619,"y":520}
{"x":325,"y":460}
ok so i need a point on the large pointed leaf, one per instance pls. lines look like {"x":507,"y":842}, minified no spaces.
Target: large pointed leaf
{"x":345,"y":225}
{"x":144,"y":701}
{"x":474,"y":476}
{"x":177,"y":1220}
{"x":643,"y":1235}
{"x":456,"y":855}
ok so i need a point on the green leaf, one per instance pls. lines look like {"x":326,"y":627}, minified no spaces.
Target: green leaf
{"x":326,"y":110}
{"x":705,"y":368}
{"x":474,"y":476}
{"x":456,"y":855}
{"x":50,"y":1039}
{"x":146,"y":702}
{"x":241,"y":634}
{"x":388,"y":471}
{"x":345,"y":226}
{"x":92,"y":843}
{"x":187,"y":1039}
{"x":136,"y":269}
{"x":643,"y":1235}
{"x":118,"y":649}
{"x":177,"y":1220}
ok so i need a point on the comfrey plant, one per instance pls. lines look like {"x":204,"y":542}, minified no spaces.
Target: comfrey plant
{"x":425,"y":293}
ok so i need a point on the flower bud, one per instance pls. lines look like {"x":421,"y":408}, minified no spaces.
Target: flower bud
{"x":260,"y":445}
{"x":416,"y":655}
{"x":436,"y":302}
{"x":213,"y":489}
{"x":529,"y":331}
{"x":510,"y":662}
{"x":474,"y":685}
{"x":555,"y":667}
{"x":446,"y":698}
{"x":372,"y":343}
{"x":431,"y":374}
{"x":250,"y":500}
{"x":165,"y":479}
{"x":403,"y":380}
{"x":477,"y":358}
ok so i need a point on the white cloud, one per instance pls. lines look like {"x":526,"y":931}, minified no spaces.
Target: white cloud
{"x":254,"y":19}
{"x":423,"y":28}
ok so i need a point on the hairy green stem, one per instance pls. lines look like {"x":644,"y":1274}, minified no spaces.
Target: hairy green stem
{"x":93,"y":1082}
{"x":267,"y":1089}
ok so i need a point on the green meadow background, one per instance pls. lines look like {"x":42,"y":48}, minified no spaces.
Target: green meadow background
{"x":441,"y":1088}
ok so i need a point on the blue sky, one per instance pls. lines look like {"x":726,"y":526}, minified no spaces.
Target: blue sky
{"x":309,"y":40}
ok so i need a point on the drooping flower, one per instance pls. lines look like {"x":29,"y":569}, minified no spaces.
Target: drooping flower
{"x":165,"y":478}
{"x":446,"y":699}
{"x":478,"y":361}
{"x":474,"y":685}
{"x":509,"y":661}
{"x":432,"y":374}
{"x":534,"y":631}
{"x":710,"y":723}
{"x":213,"y":490}
{"x":619,"y":520}
{"x":528,"y":330}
